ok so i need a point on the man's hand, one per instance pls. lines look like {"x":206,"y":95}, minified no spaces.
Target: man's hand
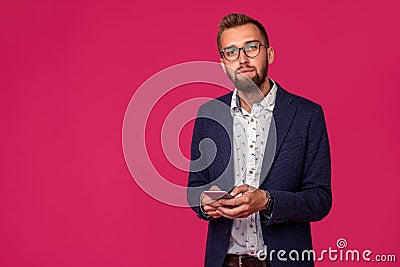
{"x":251,"y":201}
{"x":209,"y":205}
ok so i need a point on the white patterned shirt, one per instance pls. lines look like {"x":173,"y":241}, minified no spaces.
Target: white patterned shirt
{"x":250,"y":131}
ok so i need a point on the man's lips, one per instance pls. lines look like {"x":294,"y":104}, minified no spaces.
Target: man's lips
{"x":246,"y":70}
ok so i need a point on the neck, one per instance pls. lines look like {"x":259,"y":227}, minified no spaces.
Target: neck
{"x":248,"y":98}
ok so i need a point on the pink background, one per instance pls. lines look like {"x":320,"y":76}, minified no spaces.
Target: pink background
{"x":69,"y":70}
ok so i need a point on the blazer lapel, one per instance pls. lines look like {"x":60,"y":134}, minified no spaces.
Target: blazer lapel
{"x":283,"y":115}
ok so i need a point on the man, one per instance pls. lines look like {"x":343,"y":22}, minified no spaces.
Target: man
{"x":269,"y":149}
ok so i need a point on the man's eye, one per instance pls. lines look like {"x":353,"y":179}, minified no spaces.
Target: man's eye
{"x":252,"y":47}
{"x":230,"y":52}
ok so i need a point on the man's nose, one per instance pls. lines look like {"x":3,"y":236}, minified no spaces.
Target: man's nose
{"x":243,"y":59}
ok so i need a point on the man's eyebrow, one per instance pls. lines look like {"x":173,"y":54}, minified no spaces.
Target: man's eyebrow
{"x":231,"y":46}
{"x":251,"y":41}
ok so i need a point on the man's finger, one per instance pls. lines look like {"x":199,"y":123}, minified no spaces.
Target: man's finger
{"x":215,"y":204}
{"x":231,"y":202}
{"x":239,"y":189}
{"x":214,"y":187}
{"x":208,"y":208}
{"x":239,"y":215}
{"x":231,"y":212}
{"x":214,"y":214}
{"x":211,"y":211}
{"x":219,"y":213}
{"x":211,"y":202}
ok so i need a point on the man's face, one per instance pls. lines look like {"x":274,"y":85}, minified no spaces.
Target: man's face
{"x":245,"y":67}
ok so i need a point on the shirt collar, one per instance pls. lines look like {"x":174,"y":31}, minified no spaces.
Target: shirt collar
{"x":268,"y":101}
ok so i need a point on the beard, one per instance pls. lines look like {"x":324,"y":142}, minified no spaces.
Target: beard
{"x":245,"y":83}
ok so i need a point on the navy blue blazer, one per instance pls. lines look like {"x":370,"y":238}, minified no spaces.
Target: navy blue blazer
{"x":298,"y":177}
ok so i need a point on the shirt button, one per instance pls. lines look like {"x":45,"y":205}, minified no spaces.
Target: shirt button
{"x":251,"y":172}
{"x":252,"y":120}
{"x":251,"y":146}
{"x":251,"y":225}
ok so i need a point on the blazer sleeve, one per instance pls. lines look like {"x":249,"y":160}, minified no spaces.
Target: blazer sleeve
{"x":314,"y":199}
{"x":198,"y":175}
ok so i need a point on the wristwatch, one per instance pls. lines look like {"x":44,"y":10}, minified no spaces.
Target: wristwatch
{"x":270,"y":203}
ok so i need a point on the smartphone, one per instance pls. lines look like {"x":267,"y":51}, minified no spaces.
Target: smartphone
{"x":217,"y":194}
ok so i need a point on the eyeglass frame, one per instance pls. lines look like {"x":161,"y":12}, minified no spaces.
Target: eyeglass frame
{"x":244,"y":51}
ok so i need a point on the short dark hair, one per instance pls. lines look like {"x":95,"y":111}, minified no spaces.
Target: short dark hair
{"x":235,"y":20}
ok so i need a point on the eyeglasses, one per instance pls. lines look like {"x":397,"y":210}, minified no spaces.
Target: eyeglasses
{"x":251,"y":50}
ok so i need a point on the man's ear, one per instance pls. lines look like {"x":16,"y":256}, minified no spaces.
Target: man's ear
{"x":270,"y":55}
{"x":221,"y":61}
